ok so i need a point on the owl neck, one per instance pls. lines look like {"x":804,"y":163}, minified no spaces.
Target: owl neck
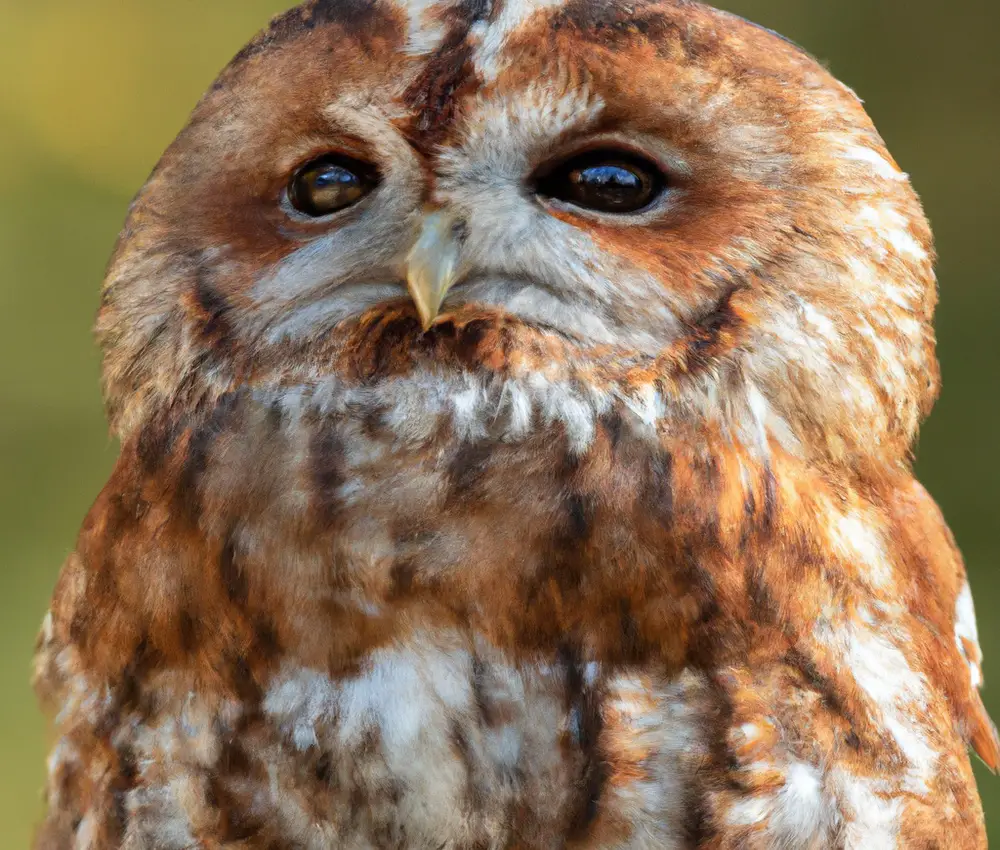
{"x":530,"y":511}
{"x":313,"y":525}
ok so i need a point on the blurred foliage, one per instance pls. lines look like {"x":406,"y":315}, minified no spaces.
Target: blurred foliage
{"x":95,"y":89}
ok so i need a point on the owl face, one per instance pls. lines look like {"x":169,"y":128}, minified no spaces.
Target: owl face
{"x":661,"y":201}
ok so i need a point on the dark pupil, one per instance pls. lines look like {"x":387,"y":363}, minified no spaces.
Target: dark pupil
{"x":331,"y":187}
{"x":326,"y":187}
{"x":334,"y":177}
{"x":604,"y":182}
{"x":607,"y":186}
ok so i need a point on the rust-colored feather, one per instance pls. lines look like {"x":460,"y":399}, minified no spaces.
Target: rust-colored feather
{"x":618,"y":545}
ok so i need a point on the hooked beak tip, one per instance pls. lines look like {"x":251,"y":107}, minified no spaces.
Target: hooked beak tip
{"x":433,"y":266}
{"x":426,"y":297}
{"x":427,"y":321}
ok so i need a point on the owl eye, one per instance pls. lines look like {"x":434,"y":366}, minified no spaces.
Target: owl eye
{"x":330,"y":183}
{"x":604,"y":181}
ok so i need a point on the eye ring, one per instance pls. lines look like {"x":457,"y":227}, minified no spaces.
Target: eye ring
{"x":330,"y":183}
{"x":603,"y":180}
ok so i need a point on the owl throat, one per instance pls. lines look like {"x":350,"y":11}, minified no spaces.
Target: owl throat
{"x":480,"y":604}
{"x":473,"y":573}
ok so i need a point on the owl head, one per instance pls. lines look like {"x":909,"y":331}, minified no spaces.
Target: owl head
{"x":655,"y":206}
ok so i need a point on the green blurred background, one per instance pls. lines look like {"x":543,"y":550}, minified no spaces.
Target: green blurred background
{"x":93,"y":90}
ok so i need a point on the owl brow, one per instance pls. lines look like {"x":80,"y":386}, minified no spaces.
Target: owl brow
{"x":770,"y":31}
{"x":357,"y":17}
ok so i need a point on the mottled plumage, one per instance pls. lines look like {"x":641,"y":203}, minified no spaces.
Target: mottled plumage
{"x":617,"y":547}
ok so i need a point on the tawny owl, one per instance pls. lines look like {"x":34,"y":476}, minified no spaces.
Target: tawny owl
{"x":516,"y":403}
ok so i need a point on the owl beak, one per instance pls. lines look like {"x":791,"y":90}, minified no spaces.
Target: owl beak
{"x":432,"y":267}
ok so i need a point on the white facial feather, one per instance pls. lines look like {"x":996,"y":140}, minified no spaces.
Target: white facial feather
{"x":426,"y":28}
{"x":492,"y":37}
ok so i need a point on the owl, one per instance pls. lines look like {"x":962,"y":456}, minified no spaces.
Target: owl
{"x":516,"y":402}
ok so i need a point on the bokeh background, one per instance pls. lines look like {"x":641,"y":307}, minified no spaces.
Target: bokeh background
{"x":93,"y":90}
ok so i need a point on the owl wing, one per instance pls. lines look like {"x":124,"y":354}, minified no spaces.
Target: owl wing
{"x":943,"y":597}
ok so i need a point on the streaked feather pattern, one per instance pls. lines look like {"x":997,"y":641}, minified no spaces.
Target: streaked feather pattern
{"x":624,"y":551}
